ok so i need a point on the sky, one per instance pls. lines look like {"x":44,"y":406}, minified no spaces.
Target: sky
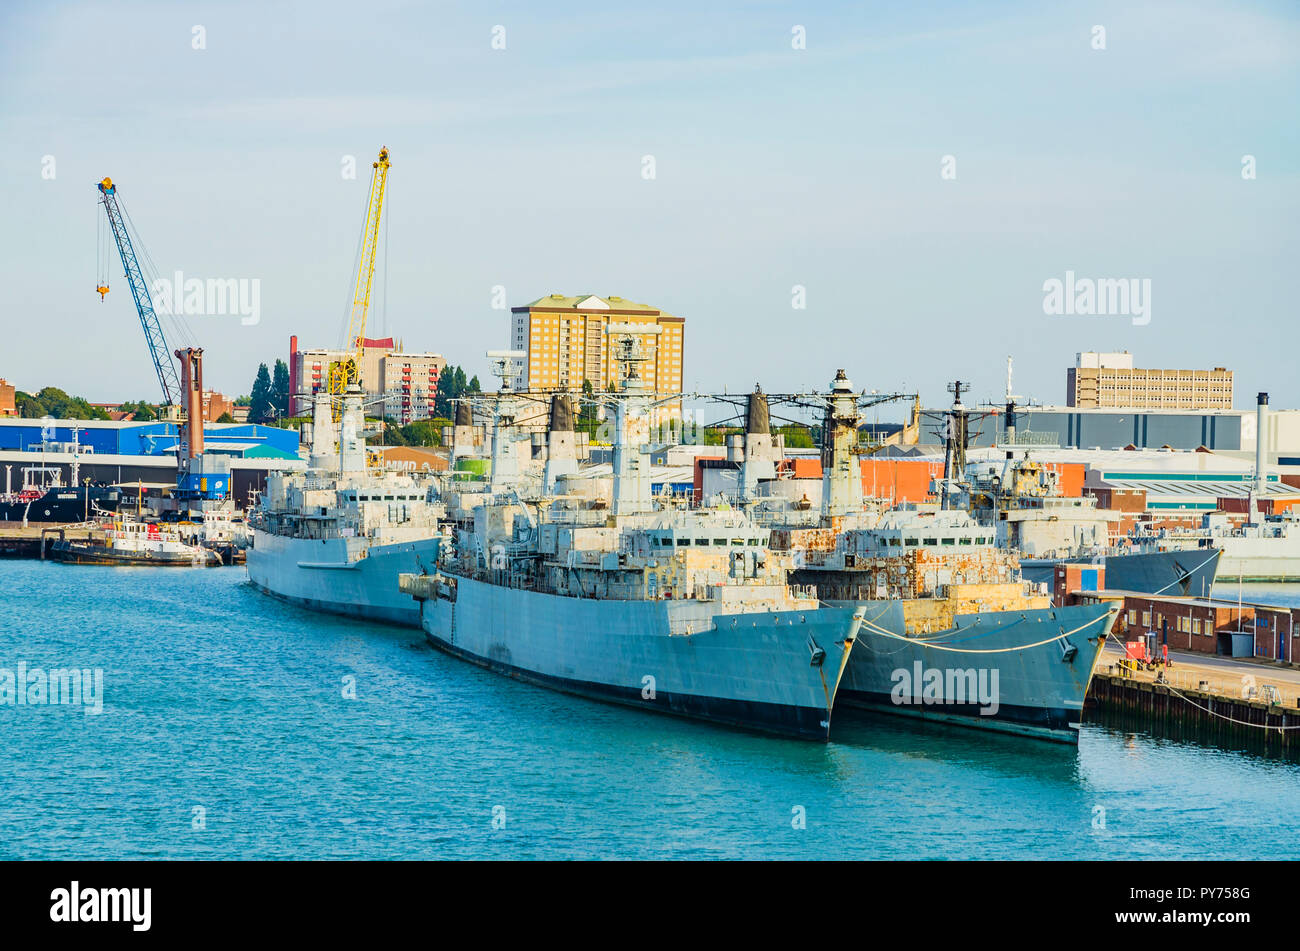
{"x":920,"y":171}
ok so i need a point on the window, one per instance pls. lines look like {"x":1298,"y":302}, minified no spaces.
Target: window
{"x":909,"y":541}
{"x":932,"y":541}
{"x":1132,"y":617}
{"x":683,"y":541}
{"x":1146,"y":618}
{"x":950,"y":541}
{"x":701,"y":541}
{"x":719,"y":541}
{"x":965,"y":541}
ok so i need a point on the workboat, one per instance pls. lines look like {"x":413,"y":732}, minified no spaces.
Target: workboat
{"x":43,"y":497}
{"x":126,"y":541}
{"x":335,"y":537}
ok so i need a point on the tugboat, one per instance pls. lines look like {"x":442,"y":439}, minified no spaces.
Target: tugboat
{"x":130,"y":542}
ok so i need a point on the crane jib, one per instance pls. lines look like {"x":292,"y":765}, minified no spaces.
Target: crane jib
{"x":168,"y":379}
{"x":349,"y":371}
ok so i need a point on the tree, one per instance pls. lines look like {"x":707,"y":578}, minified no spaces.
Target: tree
{"x":225,"y":418}
{"x":280,"y":388}
{"x":259,"y":404}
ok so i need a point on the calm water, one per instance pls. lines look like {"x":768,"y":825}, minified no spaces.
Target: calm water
{"x":218,"y":698}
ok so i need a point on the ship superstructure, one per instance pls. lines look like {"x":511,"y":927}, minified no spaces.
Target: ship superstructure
{"x":617,"y":598}
{"x":335,"y":537}
{"x":951,"y":630}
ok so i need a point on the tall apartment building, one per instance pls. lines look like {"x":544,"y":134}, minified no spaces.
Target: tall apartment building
{"x":406,"y":382}
{"x":1109,"y":380}
{"x":565,"y":342}
{"x":410,"y":384}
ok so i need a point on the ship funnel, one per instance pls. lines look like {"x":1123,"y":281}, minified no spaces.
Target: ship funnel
{"x":758,"y":419}
{"x":464,"y":439}
{"x":561,"y":459}
{"x":759,"y":457}
{"x":1261,"y":465}
{"x":561,"y":413}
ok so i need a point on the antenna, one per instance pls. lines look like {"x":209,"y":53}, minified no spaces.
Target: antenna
{"x":501,"y":365}
{"x":630,"y":351}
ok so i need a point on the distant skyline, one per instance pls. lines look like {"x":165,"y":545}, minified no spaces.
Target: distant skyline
{"x":917,"y":176}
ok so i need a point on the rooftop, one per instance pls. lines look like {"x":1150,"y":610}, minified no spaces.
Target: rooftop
{"x":589,"y":303}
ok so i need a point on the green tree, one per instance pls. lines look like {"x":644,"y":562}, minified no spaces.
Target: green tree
{"x":423,"y":432}
{"x":796,"y":437}
{"x":225,"y":418}
{"x":259,"y":404}
{"x":29,"y":407}
{"x":280,"y":388}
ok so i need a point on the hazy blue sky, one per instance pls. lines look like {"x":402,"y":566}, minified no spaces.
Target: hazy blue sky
{"x":775,"y":167}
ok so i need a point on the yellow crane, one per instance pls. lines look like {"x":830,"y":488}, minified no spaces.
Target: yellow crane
{"x":343,"y":373}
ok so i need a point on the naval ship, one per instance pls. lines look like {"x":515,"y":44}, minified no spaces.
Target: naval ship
{"x":607,"y":596}
{"x":1022,"y":501}
{"x":1262,"y":549}
{"x":335,"y":538}
{"x":951,"y":631}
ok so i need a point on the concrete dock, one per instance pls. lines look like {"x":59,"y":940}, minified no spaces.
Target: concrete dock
{"x":34,"y":540}
{"x":1231,"y":702}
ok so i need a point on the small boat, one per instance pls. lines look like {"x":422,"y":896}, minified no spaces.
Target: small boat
{"x":127,"y":542}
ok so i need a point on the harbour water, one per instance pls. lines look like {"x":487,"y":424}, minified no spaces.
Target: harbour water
{"x":227,"y":731}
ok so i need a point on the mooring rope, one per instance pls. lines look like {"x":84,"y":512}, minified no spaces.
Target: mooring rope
{"x":1172,"y":689}
{"x":989,"y":650}
{"x":1216,"y":554}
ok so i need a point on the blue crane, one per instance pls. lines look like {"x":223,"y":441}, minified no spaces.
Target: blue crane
{"x":153,"y":332}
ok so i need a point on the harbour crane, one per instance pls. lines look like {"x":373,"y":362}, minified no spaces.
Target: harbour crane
{"x":346,"y":372}
{"x":153,"y":331}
